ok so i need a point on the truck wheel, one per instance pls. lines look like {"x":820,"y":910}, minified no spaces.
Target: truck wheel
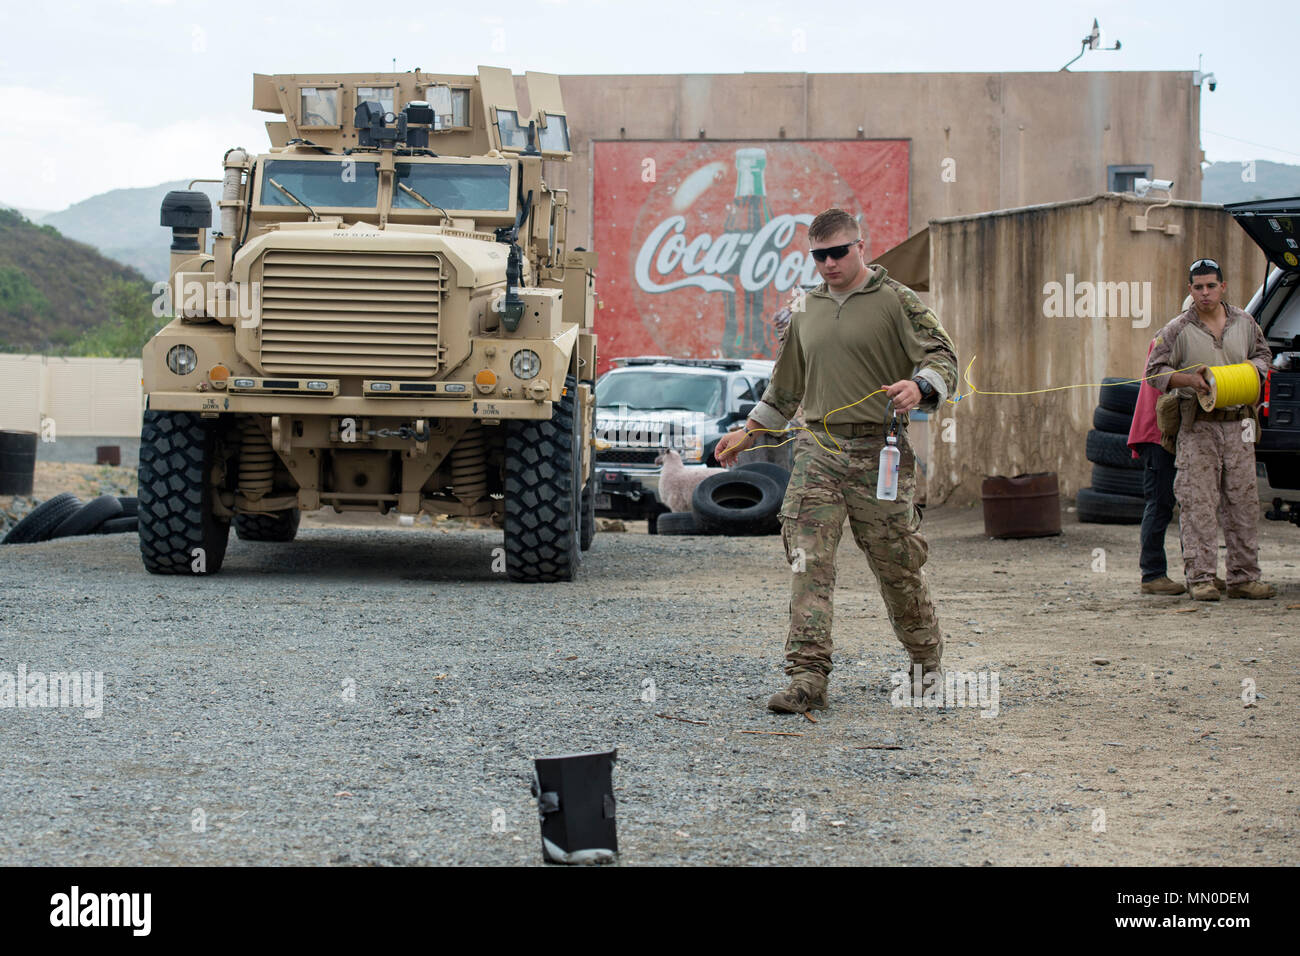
{"x":177,"y":453}
{"x":277,"y":526}
{"x":542,"y":512}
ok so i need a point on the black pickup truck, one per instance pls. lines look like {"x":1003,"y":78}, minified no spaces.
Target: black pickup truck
{"x":1274,"y":224}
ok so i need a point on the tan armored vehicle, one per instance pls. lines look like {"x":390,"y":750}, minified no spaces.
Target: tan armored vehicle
{"x":390,"y":320}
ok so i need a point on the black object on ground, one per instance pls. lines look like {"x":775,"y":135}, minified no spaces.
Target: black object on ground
{"x":88,"y":518}
{"x":1097,"y":507}
{"x":1119,"y":397}
{"x":575,"y":801}
{"x":1118,"y":481}
{"x":1106,"y":448}
{"x":1105,"y":420}
{"x":17,"y":462}
{"x":738,"y":502}
{"x":44,"y":518}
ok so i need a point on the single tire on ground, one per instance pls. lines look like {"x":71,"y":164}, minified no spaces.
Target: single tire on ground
{"x":1118,"y":481}
{"x":176,"y":518}
{"x":276,"y":526}
{"x":88,"y":518}
{"x":1107,"y":448}
{"x":1106,"y":420}
{"x":37,"y":524}
{"x":1119,"y":397}
{"x":738,"y":502}
{"x":541,"y":518}
{"x":120,"y":525}
{"x":770,"y":468}
{"x":681,"y":522}
{"x":130,"y":504}
{"x":1097,"y":507}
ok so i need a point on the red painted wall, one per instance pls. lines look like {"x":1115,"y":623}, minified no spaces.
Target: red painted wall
{"x":689,"y":268}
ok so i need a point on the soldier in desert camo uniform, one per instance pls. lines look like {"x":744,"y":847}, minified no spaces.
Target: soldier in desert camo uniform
{"x":860,"y":331}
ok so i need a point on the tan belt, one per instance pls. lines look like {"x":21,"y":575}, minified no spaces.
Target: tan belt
{"x":1223,"y":414}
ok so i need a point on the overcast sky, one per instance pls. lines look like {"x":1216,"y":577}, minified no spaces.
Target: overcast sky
{"x":118,"y":93}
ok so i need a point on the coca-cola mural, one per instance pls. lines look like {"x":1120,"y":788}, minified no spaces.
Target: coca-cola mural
{"x":702,"y":243}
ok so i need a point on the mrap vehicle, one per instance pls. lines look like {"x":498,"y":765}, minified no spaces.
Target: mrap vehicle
{"x":389,"y":320}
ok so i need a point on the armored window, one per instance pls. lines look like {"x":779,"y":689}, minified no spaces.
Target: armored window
{"x":320,"y":106}
{"x":512,"y":136}
{"x":383,"y":95}
{"x":450,"y":106}
{"x":321,"y":183}
{"x":1121,"y":178}
{"x":555,"y":134}
{"x":471,"y":186}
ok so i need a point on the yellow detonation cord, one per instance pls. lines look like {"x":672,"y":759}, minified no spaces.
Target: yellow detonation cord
{"x":1233,"y":382}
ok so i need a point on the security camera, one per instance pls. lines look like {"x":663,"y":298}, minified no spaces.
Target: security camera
{"x":1211,"y":81}
{"x":1144,"y":186}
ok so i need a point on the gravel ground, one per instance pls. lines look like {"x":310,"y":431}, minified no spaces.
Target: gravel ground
{"x":370,"y":695}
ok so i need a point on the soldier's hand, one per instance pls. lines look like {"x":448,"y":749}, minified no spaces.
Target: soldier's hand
{"x":906,"y":395}
{"x":1198,"y":381}
{"x":730,"y":445}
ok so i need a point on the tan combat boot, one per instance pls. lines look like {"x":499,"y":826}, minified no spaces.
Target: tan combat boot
{"x":1163,"y":586}
{"x":1204,"y":591}
{"x":803,"y":695}
{"x":1219,"y":583}
{"x":1254,"y":590}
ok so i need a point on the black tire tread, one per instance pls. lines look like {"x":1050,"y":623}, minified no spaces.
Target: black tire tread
{"x":37,"y":524}
{"x":174,"y":509}
{"x":122,"y":524}
{"x":1118,"y":481}
{"x":1096,"y":507}
{"x":759,"y":518}
{"x":1107,"y":420}
{"x":1119,"y":397}
{"x":88,"y":518}
{"x":277,"y":526}
{"x":1106,"y":448}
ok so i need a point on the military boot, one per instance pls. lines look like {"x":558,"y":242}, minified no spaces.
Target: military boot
{"x":801,"y":696}
{"x":1162,"y":586}
{"x":1204,"y":591}
{"x":1255,"y":590}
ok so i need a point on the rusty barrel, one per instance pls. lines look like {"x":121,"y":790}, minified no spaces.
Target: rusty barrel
{"x":17,"y":462}
{"x":1026,"y":506}
{"x":108,"y":454}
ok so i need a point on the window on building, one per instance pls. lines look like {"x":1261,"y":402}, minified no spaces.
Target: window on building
{"x":1120,"y":178}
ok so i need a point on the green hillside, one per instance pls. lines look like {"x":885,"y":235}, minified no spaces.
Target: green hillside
{"x":1222,"y":182}
{"x":61,"y":296}
{"x":123,"y":224}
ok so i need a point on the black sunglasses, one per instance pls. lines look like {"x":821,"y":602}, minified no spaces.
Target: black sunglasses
{"x":1203,"y":262}
{"x":835,"y":252}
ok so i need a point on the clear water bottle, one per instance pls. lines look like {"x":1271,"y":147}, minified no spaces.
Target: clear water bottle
{"x":887,"y":483}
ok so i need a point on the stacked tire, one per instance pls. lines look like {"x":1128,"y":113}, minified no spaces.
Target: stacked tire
{"x":745,"y":500}
{"x":1116,"y":495}
{"x":66,"y":516}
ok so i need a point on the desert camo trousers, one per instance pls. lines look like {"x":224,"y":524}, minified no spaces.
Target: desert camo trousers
{"x":1216,"y":486}
{"x":824,"y":487}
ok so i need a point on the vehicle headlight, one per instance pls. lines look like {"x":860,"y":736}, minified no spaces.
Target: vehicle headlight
{"x":182,"y":360}
{"x":690,"y":447}
{"x":525,"y":364}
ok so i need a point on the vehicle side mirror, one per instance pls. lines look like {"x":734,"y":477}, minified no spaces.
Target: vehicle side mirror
{"x":746,"y":408}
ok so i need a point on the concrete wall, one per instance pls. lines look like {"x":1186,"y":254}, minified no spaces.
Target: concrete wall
{"x":1014,"y":138}
{"x":988,"y":275}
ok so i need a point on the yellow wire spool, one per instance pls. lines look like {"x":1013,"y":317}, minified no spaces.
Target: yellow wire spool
{"x":1231,"y":385}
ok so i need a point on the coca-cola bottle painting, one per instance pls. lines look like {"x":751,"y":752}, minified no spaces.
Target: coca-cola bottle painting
{"x":748,"y":213}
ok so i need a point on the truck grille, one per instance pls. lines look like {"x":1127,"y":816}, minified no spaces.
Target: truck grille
{"x":350,"y":313}
{"x":615,"y":456}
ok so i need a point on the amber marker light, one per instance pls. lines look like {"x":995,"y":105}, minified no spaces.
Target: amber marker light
{"x":218,"y":375}
{"x":485,"y":380}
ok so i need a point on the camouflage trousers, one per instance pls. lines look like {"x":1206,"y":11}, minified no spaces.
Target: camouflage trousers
{"x":1216,"y":486}
{"x":824,"y":487}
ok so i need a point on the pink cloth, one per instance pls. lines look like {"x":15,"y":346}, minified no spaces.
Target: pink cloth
{"x":1144,"y":429}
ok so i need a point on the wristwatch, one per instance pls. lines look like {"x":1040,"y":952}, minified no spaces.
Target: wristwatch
{"x":926,"y":388}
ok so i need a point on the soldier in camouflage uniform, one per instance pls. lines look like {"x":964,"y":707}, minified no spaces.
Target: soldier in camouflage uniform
{"x":859,"y":332}
{"x":1215,"y":452}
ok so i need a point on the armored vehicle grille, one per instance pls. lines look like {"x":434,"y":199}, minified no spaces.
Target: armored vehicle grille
{"x":350,"y":313}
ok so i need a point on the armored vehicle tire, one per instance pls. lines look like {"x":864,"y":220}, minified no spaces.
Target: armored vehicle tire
{"x":119,"y":525}
{"x":1107,"y":448}
{"x":542,"y":508}
{"x":277,"y":526}
{"x":770,"y":468}
{"x":1097,"y":507}
{"x":176,"y":518}
{"x":44,"y":518}
{"x":737,"y":502}
{"x":1119,"y":397}
{"x":89,"y":517}
{"x":1118,"y":481}
{"x":1105,"y":420}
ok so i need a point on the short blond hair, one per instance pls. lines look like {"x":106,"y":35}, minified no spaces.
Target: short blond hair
{"x":831,"y":222}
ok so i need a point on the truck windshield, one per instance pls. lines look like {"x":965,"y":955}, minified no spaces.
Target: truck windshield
{"x":662,"y":390}
{"x":454,"y":186}
{"x":321,"y":183}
